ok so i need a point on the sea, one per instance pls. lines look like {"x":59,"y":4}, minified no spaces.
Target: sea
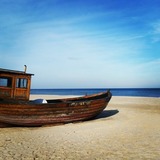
{"x":141,"y":92}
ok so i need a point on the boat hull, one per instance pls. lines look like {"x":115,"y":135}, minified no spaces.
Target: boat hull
{"x":54,"y":112}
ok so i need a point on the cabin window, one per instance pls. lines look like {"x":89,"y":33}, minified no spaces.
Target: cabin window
{"x":21,"y":83}
{"x":5,"y":82}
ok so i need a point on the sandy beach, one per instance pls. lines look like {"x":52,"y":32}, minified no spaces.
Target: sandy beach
{"x":128,"y":129}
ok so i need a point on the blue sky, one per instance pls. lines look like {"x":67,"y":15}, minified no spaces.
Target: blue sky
{"x":82,"y":44}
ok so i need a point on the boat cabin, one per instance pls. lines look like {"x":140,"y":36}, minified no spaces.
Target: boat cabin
{"x":14,"y":84}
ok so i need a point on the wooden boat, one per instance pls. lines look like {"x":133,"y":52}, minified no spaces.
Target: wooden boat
{"x":54,"y":111}
{"x":22,"y":112}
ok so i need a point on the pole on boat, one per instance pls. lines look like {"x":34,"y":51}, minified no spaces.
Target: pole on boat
{"x":25,"y":68}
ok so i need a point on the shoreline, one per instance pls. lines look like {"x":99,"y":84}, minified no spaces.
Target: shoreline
{"x":32,"y":96}
{"x":115,"y":99}
{"x":128,"y":128}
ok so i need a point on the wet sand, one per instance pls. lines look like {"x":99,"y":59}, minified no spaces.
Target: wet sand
{"x":128,"y":129}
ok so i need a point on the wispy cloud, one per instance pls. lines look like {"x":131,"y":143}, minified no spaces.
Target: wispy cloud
{"x":156,"y":31}
{"x":156,"y":27}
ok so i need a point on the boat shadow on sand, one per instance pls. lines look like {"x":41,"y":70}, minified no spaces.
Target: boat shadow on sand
{"x":106,"y":114}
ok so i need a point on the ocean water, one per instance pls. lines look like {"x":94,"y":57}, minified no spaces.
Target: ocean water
{"x":142,"y":92}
